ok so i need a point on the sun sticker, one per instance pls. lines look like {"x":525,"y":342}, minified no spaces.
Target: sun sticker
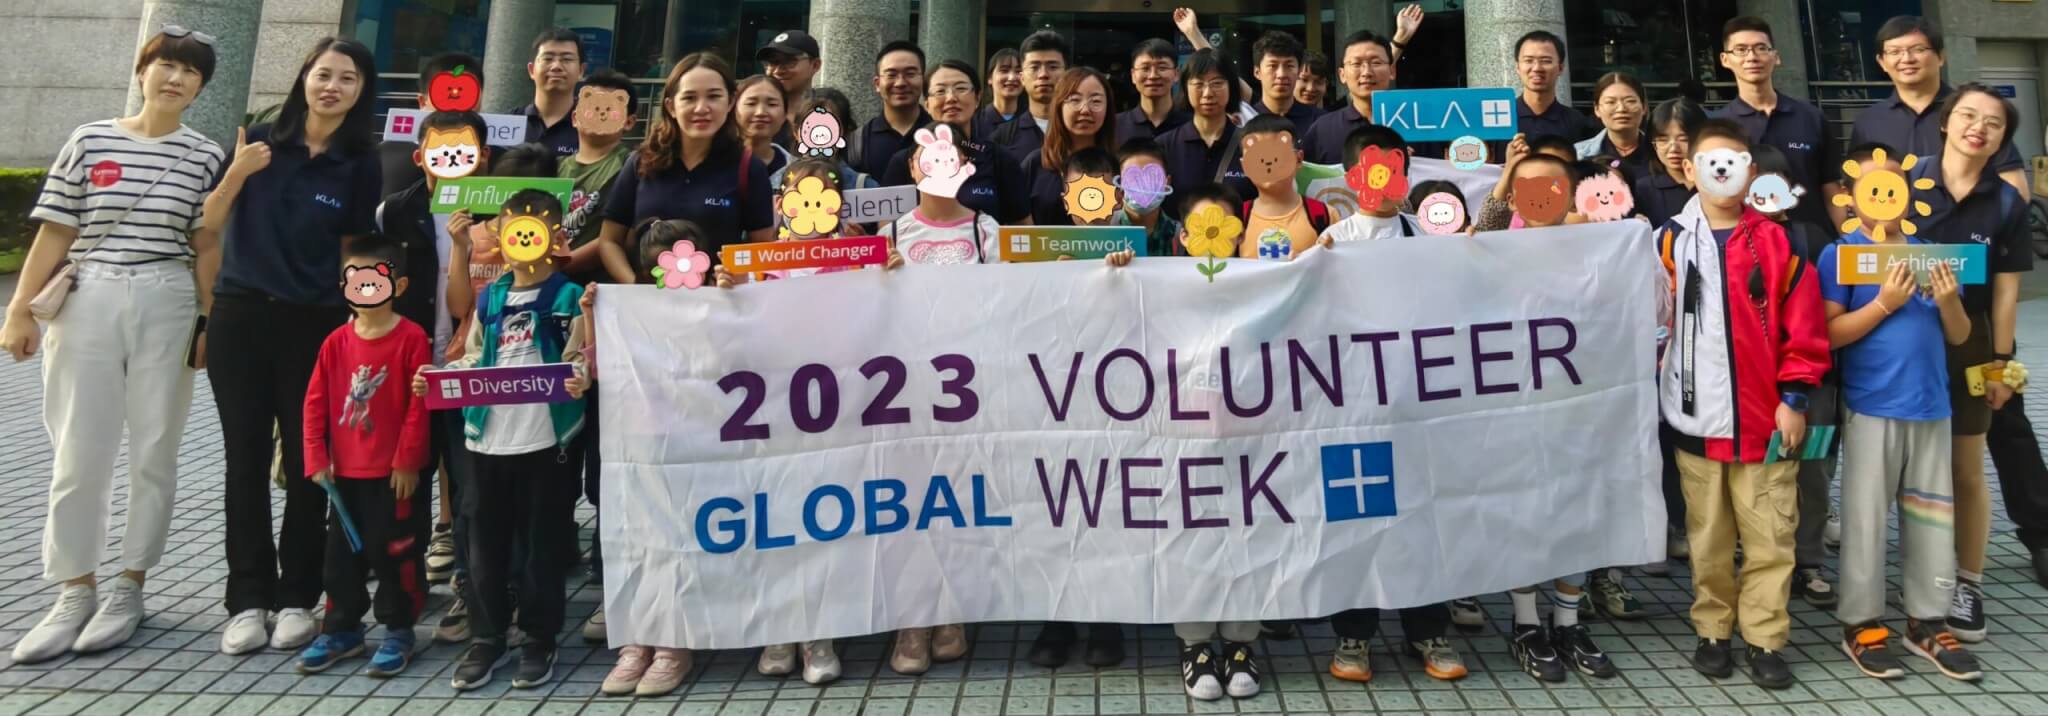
{"x":528,"y":238}
{"x":1090,"y":199}
{"x":1882,"y":195}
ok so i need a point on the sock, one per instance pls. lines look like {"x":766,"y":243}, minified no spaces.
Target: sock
{"x":1974,"y":579}
{"x":1567,"y":611}
{"x":1525,"y":608}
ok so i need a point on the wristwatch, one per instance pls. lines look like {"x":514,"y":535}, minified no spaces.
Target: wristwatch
{"x":1795,"y":401}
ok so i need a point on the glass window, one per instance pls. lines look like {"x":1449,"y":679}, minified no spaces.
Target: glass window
{"x":1658,"y":41}
{"x":1842,"y":37}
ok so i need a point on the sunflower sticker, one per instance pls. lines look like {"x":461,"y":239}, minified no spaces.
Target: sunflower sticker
{"x":1882,"y":196}
{"x":1091,"y":199}
{"x":1212,"y":234}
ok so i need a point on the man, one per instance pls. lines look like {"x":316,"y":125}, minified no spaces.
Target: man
{"x":792,"y":59}
{"x":556,"y":67}
{"x":1784,"y":122}
{"x":1368,"y":67}
{"x":899,"y":80}
{"x":1539,"y":62}
{"x":400,"y":171}
{"x":1276,"y":62}
{"x":1152,"y":72}
{"x":1046,"y":55}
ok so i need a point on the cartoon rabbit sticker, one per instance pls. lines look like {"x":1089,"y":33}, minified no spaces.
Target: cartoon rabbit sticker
{"x":940,"y":162}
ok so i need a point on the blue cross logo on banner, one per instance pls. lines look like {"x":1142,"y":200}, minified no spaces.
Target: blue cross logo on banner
{"x":1358,"y":481}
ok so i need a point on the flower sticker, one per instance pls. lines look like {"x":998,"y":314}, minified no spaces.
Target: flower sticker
{"x":1144,"y":186}
{"x":682,"y":266}
{"x":1381,"y":175}
{"x":1212,"y":234}
{"x":811,"y":208}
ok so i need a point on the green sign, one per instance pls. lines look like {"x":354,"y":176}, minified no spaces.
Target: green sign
{"x":487,"y":195}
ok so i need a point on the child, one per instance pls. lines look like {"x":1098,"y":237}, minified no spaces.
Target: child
{"x":1750,"y":347}
{"x":523,"y":467}
{"x":1497,"y":212}
{"x":604,"y":113}
{"x":941,"y":230}
{"x":1895,"y":446}
{"x":1146,"y":186}
{"x":367,"y":439}
{"x":1453,"y":219}
{"x":1280,"y":222}
{"x":1384,"y":218}
{"x":1090,"y":188}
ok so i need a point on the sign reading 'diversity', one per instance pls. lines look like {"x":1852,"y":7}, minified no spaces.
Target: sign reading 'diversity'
{"x":501,"y":385}
{"x":1382,"y":424}
{"x":487,"y":195}
{"x":1870,"y":263}
{"x":1441,"y":115}
{"x":1023,"y":244}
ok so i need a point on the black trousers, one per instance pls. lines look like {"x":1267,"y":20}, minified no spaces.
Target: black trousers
{"x":593,"y":469}
{"x":1417,"y":623}
{"x":521,"y":504}
{"x":456,"y":458}
{"x":2021,"y":475}
{"x":260,"y":354}
{"x":394,"y":535}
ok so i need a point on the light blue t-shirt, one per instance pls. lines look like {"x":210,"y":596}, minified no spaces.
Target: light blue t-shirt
{"x":1900,"y":369}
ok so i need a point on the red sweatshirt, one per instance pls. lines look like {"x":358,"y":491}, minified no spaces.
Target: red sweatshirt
{"x":361,"y":415}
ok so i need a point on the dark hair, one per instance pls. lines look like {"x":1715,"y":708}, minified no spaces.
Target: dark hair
{"x":664,"y":145}
{"x":1422,"y":190}
{"x":653,"y":236}
{"x":1155,"y":48}
{"x":1093,"y":160}
{"x":1540,"y":142}
{"x":447,"y":62}
{"x":377,"y":246}
{"x":1619,"y":78}
{"x":1277,"y":44}
{"x":1948,"y":106}
{"x":1767,"y":159}
{"x":1685,"y":112}
{"x":447,"y":121}
{"x":834,"y":102}
{"x":526,"y":160}
{"x":357,"y":134}
{"x":1600,"y":165}
{"x":1562,"y":165}
{"x":896,"y":46}
{"x":1723,"y":128}
{"x":184,"y":49}
{"x":1745,"y":23}
{"x":612,"y":79}
{"x":957,"y":66}
{"x":1268,"y":124}
{"x":1214,"y":192}
{"x":1203,"y":62}
{"x":1904,"y":25}
{"x":1544,"y":36}
{"x":1045,"y":41}
{"x":748,"y":83}
{"x":1140,"y":147}
{"x":1366,"y":37}
{"x":1059,"y":141}
{"x":1867,"y":151}
{"x":532,"y":202}
{"x":1373,"y":135}
{"x":559,"y":34}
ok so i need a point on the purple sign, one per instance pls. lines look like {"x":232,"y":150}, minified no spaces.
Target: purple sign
{"x":502,"y":385}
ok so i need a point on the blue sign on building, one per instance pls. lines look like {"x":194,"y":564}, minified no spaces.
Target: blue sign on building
{"x":1441,"y":115}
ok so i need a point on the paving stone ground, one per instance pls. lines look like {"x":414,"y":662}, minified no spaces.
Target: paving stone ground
{"x":172,"y":665}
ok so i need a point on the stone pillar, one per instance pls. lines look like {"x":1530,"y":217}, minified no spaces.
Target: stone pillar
{"x":1355,"y":15}
{"x":1491,"y":29}
{"x":1788,"y":36}
{"x":508,"y":47}
{"x":218,"y":110}
{"x":950,"y":30}
{"x":849,"y":34}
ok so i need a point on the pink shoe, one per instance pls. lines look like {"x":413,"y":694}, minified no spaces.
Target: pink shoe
{"x":949,"y":642}
{"x":670,"y":665}
{"x":626,"y":674}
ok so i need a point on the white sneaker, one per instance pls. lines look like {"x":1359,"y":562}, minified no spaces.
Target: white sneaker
{"x":295,"y":628}
{"x":246,"y":632}
{"x":1676,"y":544}
{"x":777,"y":660}
{"x":119,"y":615}
{"x":821,"y":665}
{"x":58,"y":630}
{"x":1831,"y":534}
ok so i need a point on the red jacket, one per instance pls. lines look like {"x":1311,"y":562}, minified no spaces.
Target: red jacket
{"x":1748,"y":327}
{"x":361,"y":415}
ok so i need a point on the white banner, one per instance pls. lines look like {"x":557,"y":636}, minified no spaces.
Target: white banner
{"x":1325,"y":183}
{"x":1387,"y":424}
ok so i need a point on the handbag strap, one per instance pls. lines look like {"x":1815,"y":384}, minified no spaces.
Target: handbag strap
{"x":139,"y":196}
{"x":1229,"y":155}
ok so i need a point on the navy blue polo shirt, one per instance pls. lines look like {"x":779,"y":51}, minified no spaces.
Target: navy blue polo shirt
{"x":1324,"y":143}
{"x":879,"y":142}
{"x":709,"y":195}
{"x":1798,"y":129}
{"x":284,"y":234}
{"x":1896,"y":125}
{"x":1659,"y":197}
{"x":1135,"y":124}
{"x":1981,"y":217}
{"x":561,"y":136}
{"x":1048,"y":191}
{"x":1190,"y":163}
{"x":997,"y":187}
{"x":1560,"y":119}
{"x":1638,"y":164}
{"x":1020,"y":136}
{"x":1303,"y":116}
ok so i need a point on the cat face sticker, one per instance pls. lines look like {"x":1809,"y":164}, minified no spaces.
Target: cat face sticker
{"x":1541,"y":199}
{"x":1722,"y":172}
{"x":1442,"y":214}
{"x":369,"y":286}
{"x":602,"y":110}
{"x":1770,"y":194}
{"x":819,"y":134}
{"x":1604,"y":198}
{"x":1269,"y":159}
{"x":452,"y":153}
{"x":1468,"y":153}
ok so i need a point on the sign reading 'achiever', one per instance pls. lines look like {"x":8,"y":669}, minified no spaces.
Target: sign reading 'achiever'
{"x":501,"y":385}
{"x":1870,"y":263}
{"x":850,"y":252}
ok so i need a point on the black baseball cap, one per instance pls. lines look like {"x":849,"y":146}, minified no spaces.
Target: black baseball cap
{"x":794,"y":43}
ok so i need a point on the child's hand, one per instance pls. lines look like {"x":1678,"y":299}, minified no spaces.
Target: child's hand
{"x":1791,"y":429}
{"x":1896,"y":289}
{"x":721,"y":277}
{"x":1120,"y":259}
{"x":1946,"y":292}
{"x":1326,"y":243}
{"x":419,"y":382}
{"x":589,"y":300}
{"x":576,"y":386}
{"x":895,"y":261}
{"x":403,"y":482}
{"x":1517,"y":148}
{"x":458,"y":227}
{"x":1064,"y":257}
{"x":323,"y":477}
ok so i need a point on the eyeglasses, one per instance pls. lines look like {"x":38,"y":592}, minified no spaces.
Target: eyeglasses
{"x":182,"y":31}
{"x":788,"y":64}
{"x":1750,"y":50}
{"x":1092,"y":103}
{"x":1896,"y":53}
{"x":1372,"y":64}
{"x":956,"y":90}
{"x":1991,"y":124}
{"x":1666,"y":141}
{"x":1613,"y":103}
{"x":896,"y":75}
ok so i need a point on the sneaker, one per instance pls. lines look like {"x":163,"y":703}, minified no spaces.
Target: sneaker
{"x":949,"y":642}
{"x":1938,"y":646}
{"x":1466,"y":614}
{"x":117,"y":619}
{"x":1278,"y":630}
{"x":246,"y":632}
{"x":1531,"y":649}
{"x":1769,"y":669}
{"x":327,"y":649}
{"x":821,"y":664}
{"x":394,"y":653}
{"x":59,"y":629}
{"x":295,"y":628}
{"x":593,"y":630}
{"x":474,"y":668}
{"x":1966,"y":612}
{"x":1676,"y":544}
{"x":454,"y":626}
{"x":1439,"y":659}
{"x":665,"y":674}
{"x":536,"y":665}
{"x":1578,"y":646}
{"x":626,"y":672}
{"x":1198,"y":673}
{"x":1053,"y":645}
{"x":777,"y":660}
{"x":1240,"y":670}
{"x":441,"y":554}
{"x":913,"y":652}
{"x":1713,"y":658}
{"x":1611,"y":598}
{"x":1352,"y":661}
{"x":1105,"y":645}
{"x":1808,"y":584}
{"x":1831,"y":534}
{"x":1865,"y":645}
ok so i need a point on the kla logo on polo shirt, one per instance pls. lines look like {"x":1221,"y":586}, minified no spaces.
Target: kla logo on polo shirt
{"x":1980,"y":238}
{"x":328,"y":200}
{"x":1358,"y":481}
{"x":718,"y":202}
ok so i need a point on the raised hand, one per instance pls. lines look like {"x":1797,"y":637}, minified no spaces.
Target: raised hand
{"x":250,"y":157}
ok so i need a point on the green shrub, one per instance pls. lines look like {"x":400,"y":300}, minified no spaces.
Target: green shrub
{"x":18,"y":190}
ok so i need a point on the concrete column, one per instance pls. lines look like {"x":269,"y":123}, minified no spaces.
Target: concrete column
{"x":1790,"y":39}
{"x":1355,"y":15}
{"x":950,"y":30}
{"x":1491,"y":29}
{"x":508,"y":46}
{"x":218,"y":110}
{"x":849,"y":34}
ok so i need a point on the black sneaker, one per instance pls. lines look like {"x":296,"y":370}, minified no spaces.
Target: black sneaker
{"x":1105,"y":645}
{"x":1769,"y":670}
{"x":1937,"y":645}
{"x":1531,"y":648}
{"x":1865,"y":645}
{"x":536,"y":665}
{"x":1054,"y":644}
{"x":1278,"y":630}
{"x":1607,"y":595}
{"x":1807,"y":583}
{"x":1713,"y":659}
{"x":1199,"y":674}
{"x":1240,"y":670}
{"x":474,"y":668}
{"x":1577,"y":644}
{"x":1966,"y":612}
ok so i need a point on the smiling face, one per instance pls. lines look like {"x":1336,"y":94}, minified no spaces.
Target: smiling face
{"x":1441,"y":214}
{"x":1977,"y":127}
{"x":899,"y":79}
{"x":701,"y":103}
{"x":1153,"y":76}
{"x":1750,"y":55}
{"x":602,"y":111}
{"x":1605,"y":198}
{"x":450,"y":153}
{"x":367,"y":283}
{"x":525,"y":239}
{"x":1270,"y":159}
{"x":760,"y":111}
{"x":1090,"y":199}
{"x":1084,"y":110}
{"x":949,"y":96}
{"x":333,"y":84}
{"x":1881,"y":193}
{"x":1910,"y":60}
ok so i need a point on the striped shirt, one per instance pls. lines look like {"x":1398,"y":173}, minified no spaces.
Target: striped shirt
{"x":102,"y":171}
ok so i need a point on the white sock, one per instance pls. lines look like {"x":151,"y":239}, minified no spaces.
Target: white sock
{"x":1976,"y":579}
{"x":1567,"y":609}
{"x":1525,"y":608}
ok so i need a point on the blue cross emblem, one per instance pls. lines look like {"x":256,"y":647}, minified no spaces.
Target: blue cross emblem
{"x":1496,"y":113}
{"x":1358,"y":481}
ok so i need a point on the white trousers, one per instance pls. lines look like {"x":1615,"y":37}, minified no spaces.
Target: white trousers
{"x":114,"y":359}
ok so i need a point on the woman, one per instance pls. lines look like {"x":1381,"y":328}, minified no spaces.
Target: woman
{"x":692,"y":166}
{"x":1080,"y":119}
{"x":762,"y":112}
{"x":1619,"y":104}
{"x":1663,"y":190}
{"x":1005,"y":92}
{"x":1204,"y":150}
{"x":117,"y":350}
{"x":997,"y":188}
